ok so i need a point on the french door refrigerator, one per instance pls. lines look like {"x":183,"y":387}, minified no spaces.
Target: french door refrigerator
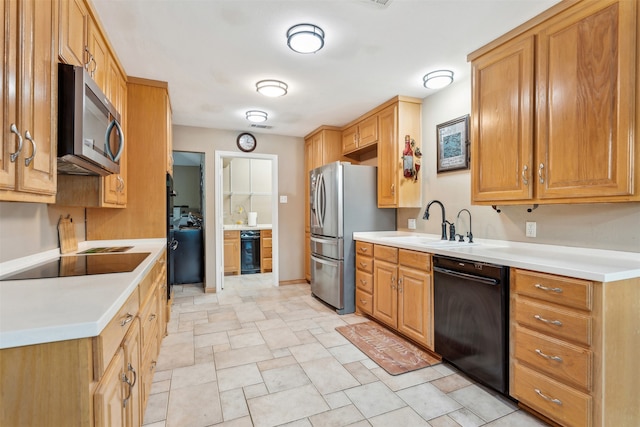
{"x":343,"y":199}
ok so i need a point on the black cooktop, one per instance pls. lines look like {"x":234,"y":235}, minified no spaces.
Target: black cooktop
{"x":81,"y":265}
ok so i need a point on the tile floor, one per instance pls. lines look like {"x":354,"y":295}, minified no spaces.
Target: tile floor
{"x":257,"y":355}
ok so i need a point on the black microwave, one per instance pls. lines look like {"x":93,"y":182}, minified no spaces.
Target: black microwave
{"x":90,"y":137}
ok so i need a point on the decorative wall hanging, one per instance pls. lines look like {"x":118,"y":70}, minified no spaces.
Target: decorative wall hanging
{"x":411,"y":158}
{"x":453,"y":144}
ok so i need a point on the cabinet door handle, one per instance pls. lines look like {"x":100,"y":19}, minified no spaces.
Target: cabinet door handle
{"x":127,"y":319}
{"x":14,"y":129}
{"x":540,"y":173}
{"x":546,"y":356}
{"x":29,"y":159}
{"x":393,"y":280}
{"x":551,"y":322}
{"x":152,"y":317}
{"x":125,"y":379}
{"x":547,"y":289}
{"x":525,"y":180}
{"x":556,"y":401}
{"x":393,"y":189}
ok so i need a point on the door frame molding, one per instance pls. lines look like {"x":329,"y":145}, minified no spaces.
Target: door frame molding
{"x":219,"y":215}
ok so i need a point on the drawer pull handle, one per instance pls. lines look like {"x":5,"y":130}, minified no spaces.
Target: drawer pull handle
{"x":544,"y":288}
{"x":556,"y":401}
{"x":127,"y":319}
{"x":552,"y":322}
{"x":363,"y":264}
{"x":546,"y":356}
{"x":364,"y":282}
{"x":363,"y":301}
{"x":363,"y":249}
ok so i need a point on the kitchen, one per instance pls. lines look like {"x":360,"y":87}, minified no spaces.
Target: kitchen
{"x":605,"y":226}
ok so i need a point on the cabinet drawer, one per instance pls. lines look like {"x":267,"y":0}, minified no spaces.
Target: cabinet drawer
{"x":267,"y":264}
{"x":364,"y":263}
{"x":418,"y":260}
{"x":106,"y":344}
{"x":557,"y":401}
{"x":555,"y":321}
{"x":231,"y":235}
{"x":563,"y":361}
{"x":364,"y":301}
{"x":147,"y":284}
{"x":364,"y":248}
{"x":267,"y":242}
{"x":266,"y":234}
{"x":149,"y":316}
{"x":385,"y":253}
{"x":267,"y":252}
{"x":557,"y":289}
{"x":364,"y":281}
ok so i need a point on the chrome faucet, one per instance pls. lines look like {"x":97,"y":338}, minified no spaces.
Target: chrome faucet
{"x":469,"y":233}
{"x":444,"y":220}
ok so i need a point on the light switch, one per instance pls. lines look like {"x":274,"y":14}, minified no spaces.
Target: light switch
{"x":283,"y":199}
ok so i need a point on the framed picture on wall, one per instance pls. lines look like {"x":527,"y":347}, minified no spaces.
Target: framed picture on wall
{"x":453,"y":144}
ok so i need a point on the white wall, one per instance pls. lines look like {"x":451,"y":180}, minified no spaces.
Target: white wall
{"x":290,"y":152}
{"x":605,"y":226}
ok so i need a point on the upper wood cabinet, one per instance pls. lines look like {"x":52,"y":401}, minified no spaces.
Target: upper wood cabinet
{"x":29,"y":101}
{"x":558,"y":128}
{"x":399,"y":118}
{"x":148,"y":134}
{"x":72,"y":45}
{"x":361,"y":136}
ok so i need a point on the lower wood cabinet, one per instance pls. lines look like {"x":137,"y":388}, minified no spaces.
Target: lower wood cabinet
{"x":403,"y":292}
{"x":573,"y":348}
{"x":231,"y":252}
{"x":96,"y":381}
{"x":266,"y":246}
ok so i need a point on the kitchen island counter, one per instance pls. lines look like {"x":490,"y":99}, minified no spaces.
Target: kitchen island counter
{"x":35,"y":311}
{"x":590,"y":264}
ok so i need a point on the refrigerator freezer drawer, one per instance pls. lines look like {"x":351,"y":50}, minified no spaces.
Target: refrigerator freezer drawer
{"x":328,"y":247}
{"x":326,"y":280}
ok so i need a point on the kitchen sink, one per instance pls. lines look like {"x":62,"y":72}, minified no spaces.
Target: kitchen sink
{"x":427,"y":241}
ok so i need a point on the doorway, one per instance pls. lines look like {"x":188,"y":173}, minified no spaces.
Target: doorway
{"x":228,"y":211}
{"x":187,"y":218}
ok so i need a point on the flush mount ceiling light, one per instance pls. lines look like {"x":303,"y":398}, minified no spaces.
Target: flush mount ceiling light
{"x":438,"y":79}
{"x":305,"y":38}
{"x":272,"y":88}
{"x":256,"y":116}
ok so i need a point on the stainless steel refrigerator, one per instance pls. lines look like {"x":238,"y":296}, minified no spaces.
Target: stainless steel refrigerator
{"x":343,"y":199}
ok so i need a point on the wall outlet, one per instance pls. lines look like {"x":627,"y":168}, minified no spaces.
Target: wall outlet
{"x":530,"y":229}
{"x":411,"y":223}
{"x":283,"y":199}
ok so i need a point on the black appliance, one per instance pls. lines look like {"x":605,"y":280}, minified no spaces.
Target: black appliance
{"x":249,"y":251}
{"x":471,"y":318}
{"x":90,"y":139}
{"x":188,"y":256}
{"x":81,"y":265}
{"x":172,"y":243}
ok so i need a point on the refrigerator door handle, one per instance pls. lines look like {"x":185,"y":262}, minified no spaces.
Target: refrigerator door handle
{"x":333,"y":242}
{"x":323,"y":200}
{"x":325,"y":261}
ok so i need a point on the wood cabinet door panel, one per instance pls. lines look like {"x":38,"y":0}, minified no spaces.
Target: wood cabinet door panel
{"x":109,"y":395}
{"x":72,"y":32}
{"x":387,"y":158}
{"x":502,"y":123}
{"x":586,"y":85}
{"x":368,"y":131}
{"x":385,"y":300}
{"x":349,"y":142}
{"x":8,"y":86}
{"x":132,"y":367}
{"x":38,"y":98}
{"x":414,"y":299}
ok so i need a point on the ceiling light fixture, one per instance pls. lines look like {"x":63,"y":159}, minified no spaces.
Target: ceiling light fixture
{"x":272,"y":88}
{"x":438,"y":79}
{"x":256,"y":116}
{"x":305,"y":38}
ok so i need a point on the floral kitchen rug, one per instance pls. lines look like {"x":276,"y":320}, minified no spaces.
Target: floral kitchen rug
{"x":393,"y":353}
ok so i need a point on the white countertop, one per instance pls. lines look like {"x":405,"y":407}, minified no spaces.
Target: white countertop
{"x":57,"y":309}
{"x":246,"y":227}
{"x":590,"y":264}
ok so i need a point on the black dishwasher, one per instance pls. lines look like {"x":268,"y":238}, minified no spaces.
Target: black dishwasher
{"x":249,"y":251}
{"x":471,"y":318}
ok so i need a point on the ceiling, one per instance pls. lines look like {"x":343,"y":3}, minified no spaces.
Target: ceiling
{"x":212,"y":53}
